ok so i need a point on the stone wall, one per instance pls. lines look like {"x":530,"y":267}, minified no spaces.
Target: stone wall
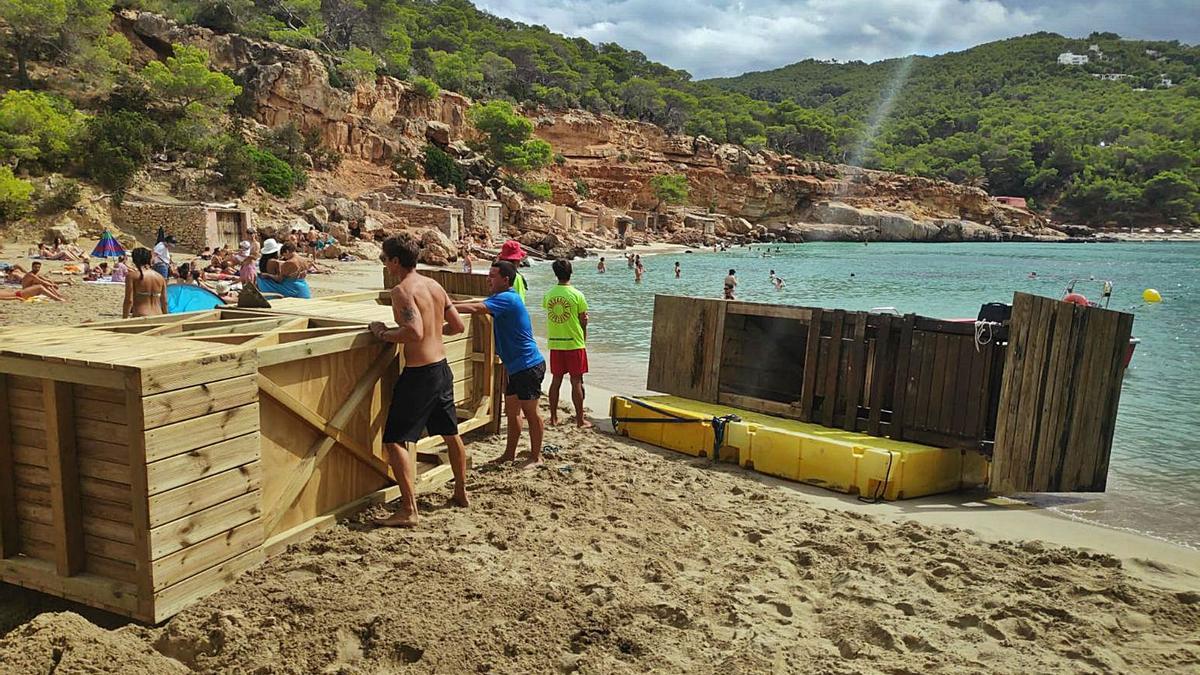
{"x":188,"y":224}
{"x":477,"y":214}
{"x":445,"y":219}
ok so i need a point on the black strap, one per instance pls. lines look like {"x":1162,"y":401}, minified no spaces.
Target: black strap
{"x":718,"y":423}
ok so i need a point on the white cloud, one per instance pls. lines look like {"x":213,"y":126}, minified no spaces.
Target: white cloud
{"x":712,"y":38}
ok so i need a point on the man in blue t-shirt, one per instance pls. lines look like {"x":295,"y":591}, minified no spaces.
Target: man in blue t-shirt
{"x":522,"y":361}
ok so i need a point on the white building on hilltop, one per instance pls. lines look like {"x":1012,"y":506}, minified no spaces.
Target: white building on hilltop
{"x":1069,"y":59}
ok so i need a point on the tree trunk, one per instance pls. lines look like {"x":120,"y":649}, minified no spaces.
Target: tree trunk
{"x":22,"y":63}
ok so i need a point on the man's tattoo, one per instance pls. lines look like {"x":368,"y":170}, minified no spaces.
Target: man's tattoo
{"x":408,"y":314}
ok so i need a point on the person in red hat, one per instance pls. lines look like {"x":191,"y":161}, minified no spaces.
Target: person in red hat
{"x":512,"y":252}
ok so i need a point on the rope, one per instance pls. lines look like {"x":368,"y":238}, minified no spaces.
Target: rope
{"x":882,"y":487}
{"x":984,"y":333}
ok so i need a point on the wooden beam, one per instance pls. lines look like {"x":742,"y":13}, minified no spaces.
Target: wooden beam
{"x":65,"y":499}
{"x":10,"y":538}
{"x":320,"y":449}
{"x":316,"y":421}
{"x":176,"y":325}
{"x":135,"y":411}
{"x":812,"y":351}
{"x":271,"y":337}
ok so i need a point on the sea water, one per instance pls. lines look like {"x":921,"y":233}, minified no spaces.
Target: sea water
{"x":1154,"y":475}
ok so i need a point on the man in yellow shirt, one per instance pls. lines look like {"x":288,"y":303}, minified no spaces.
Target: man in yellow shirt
{"x":566,"y":324}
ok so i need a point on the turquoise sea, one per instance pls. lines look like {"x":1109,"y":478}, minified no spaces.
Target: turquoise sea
{"x":1154,"y":479}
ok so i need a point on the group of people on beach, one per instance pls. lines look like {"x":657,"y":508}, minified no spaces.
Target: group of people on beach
{"x":423,"y":397}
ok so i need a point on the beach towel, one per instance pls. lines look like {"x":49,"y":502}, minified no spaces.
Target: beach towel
{"x":183,"y":298}
{"x":291,"y":288}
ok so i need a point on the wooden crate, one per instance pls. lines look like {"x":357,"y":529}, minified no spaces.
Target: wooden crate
{"x":86,"y":420}
{"x":145,"y":463}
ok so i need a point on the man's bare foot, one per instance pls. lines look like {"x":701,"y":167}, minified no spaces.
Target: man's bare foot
{"x":584,"y":424}
{"x":503,"y":459}
{"x":460,"y":499}
{"x":531,"y":463}
{"x":397,"y":519}
{"x":553,"y":421}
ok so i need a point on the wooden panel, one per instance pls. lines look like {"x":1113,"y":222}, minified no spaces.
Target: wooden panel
{"x":174,"y":439}
{"x":201,"y":463}
{"x":194,"y":559}
{"x":684,"y":347}
{"x":170,"y":601}
{"x":882,"y":368}
{"x":39,"y":575}
{"x":9,"y":537}
{"x":1058,"y":400}
{"x":190,"y":530}
{"x":202,"y":399}
{"x":222,"y":366}
{"x":856,"y":372}
{"x":832,"y":368}
{"x":174,"y":504}
{"x":99,"y":411}
{"x":65,"y":485}
{"x":808,"y":389}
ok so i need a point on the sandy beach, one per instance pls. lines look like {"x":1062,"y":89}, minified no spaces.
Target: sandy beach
{"x":619,"y":557}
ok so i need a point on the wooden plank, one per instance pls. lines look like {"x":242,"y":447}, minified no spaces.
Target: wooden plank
{"x":742,"y":308}
{"x":174,"y":599}
{"x":92,"y":410}
{"x":27,"y":474}
{"x":925,"y":383}
{"x":881,"y":369}
{"x":65,"y":498}
{"x":900,"y":386}
{"x":112,"y":530}
{"x":34,"y":438}
{"x":197,"y":527}
{"x":312,"y":348}
{"x":116,"y":396}
{"x":316,"y":421}
{"x":1109,"y":419}
{"x":759,"y":405}
{"x":198,"y":464}
{"x":834,"y":375}
{"x":961,"y":387}
{"x":228,"y":363}
{"x":107,"y":471}
{"x":108,"y":432}
{"x":812,"y":350}
{"x":683,"y":345}
{"x":193,"y":497}
{"x":199,"y":400}
{"x":1047,"y":448}
{"x":117,"y":596}
{"x":317,"y":452}
{"x":198,"y":432}
{"x":24,"y":454}
{"x":9,"y":536}
{"x":25,"y":398}
{"x":118,"y":570}
{"x":17,"y":382}
{"x":27,"y":418}
{"x":63,"y":372}
{"x":94,"y":488}
{"x":188,"y":562}
{"x":856,"y":372}
{"x":101,"y":450}
{"x":1077,"y":474}
{"x":1033,"y":389}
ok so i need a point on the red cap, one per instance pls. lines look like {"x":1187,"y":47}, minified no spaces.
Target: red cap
{"x":511,"y":250}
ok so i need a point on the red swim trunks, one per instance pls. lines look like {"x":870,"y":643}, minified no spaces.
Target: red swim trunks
{"x":568,"y":361}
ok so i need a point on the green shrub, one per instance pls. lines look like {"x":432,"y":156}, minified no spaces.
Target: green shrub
{"x":670,"y":188}
{"x":443,"y":170}
{"x":272,"y":173}
{"x":407,"y":168}
{"x":63,"y":196}
{"x":36,"y":130}
{"x":115,"y":145}
{"x":581,"y":188}
{"x":237,"y":165}
{"x":426,"y":87}
{"x":560,"y":159}
{"x":16,"y":196}
{"x":535,"y":189}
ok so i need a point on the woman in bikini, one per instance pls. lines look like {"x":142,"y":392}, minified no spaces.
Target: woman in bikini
{"x":29,"y":292}
{"x":146,"y":291}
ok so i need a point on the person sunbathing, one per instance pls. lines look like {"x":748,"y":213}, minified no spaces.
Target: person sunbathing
{"x":30,"y":292}
{"x":285,"y":274}
{"x":34,"y":277}
{"x":97,"y":273}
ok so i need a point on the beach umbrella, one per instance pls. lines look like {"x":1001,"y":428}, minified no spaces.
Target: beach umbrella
{"x":185,"y":298}
{"x":107,"y":247}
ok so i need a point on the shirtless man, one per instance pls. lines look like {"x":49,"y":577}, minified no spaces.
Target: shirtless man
{"x":34,"y":277}
{"x":423,"y":398}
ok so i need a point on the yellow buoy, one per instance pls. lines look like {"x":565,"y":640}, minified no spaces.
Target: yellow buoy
{"x":1151,"y":296}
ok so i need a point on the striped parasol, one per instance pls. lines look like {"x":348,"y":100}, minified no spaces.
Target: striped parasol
{"x":107,"y":247}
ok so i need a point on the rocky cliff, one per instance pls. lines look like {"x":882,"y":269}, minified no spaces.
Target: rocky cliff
{"x":616,"y":158}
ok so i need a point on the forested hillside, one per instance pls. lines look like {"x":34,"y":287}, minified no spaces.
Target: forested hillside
{"x":1004,"y":115}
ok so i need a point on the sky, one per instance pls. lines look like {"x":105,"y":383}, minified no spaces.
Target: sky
{"x":718,"y":38}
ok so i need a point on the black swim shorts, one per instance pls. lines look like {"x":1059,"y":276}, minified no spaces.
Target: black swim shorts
{"x":422,"y":400}
{"x":526,"y":384}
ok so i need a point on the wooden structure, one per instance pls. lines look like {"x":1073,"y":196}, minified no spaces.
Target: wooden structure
{"x":145,"y":463}
{"x":466,"y":284}
{"x":1062,"y":384}
{"x":912,"y":378}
